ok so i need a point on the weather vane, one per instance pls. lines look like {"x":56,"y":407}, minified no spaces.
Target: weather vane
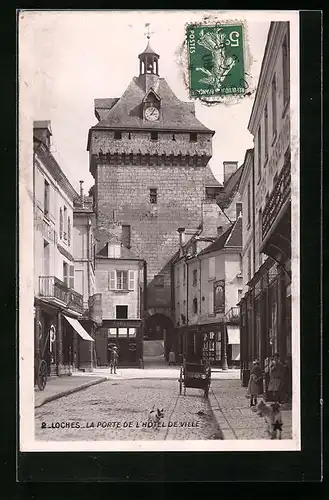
{"x":148,"y":32}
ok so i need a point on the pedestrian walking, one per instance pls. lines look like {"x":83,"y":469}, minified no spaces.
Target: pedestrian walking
{"x":114,"y":359}
{"x":255,"y":385}
{"x":275,"y":386}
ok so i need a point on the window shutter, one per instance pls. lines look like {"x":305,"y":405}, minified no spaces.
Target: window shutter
{"x":211,"y":267}
{"x":61,"y":223}
{"x":112,"y":280}
{"x":69,"y":231}
{"x":131,"y":280}
{"x":52,"y":203}
{"x":71,"y":280}
{"x":211,"y":302}
{"x":65,"y":273}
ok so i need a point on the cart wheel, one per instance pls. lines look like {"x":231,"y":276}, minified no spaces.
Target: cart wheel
{"x":42,"y":375}
{"x":180,"y":380}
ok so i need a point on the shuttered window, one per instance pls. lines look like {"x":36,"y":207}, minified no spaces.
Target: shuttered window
{"x":69,"y":231}
{"x":122,"y":280}
{"x":66,"y":273}
{"x":212,"y":273}
{"x":131,"y":280}
{"x":71,"y":278}
{"x":46,"y":198}
{"x":112,"y":280}
{"x":61,"y":223}
{"x":211,"y":302}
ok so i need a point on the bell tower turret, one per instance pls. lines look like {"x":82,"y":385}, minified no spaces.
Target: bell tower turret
{"x":148,"y":67}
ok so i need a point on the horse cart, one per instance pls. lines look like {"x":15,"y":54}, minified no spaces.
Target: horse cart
{"x":195,"y":375}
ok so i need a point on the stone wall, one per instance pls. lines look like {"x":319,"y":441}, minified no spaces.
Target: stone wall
{"x":123,"y":197}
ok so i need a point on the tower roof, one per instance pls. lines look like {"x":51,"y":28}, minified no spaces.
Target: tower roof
{"x":176,"y":115}
{"x":148,"y":51}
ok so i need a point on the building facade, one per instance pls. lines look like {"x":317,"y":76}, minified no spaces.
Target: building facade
{"x":149,"y":157}
{"x":85,"y":282}
{"x":120,"y":280}
{"x":207,"y":279}
{"x":266,"y":305}
{"x":58,"y":304}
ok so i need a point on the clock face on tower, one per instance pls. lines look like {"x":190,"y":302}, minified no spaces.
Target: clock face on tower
{"x":151,"y":113}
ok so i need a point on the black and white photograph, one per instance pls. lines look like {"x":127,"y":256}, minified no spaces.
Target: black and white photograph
{"x":159,"y":230}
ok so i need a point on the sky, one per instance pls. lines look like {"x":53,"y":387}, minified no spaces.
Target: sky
{"x":69,"y":58}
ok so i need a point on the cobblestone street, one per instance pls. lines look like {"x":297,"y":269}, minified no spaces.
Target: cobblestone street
{"x":119,"y":411}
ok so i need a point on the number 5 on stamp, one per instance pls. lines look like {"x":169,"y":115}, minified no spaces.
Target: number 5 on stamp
{"x":216,"y":60}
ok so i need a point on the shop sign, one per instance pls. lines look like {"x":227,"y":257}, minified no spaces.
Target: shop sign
{"x":125,"y":324}
{"x":219,"y":296}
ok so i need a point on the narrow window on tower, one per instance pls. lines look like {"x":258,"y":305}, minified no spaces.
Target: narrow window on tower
{"x":153,"y":196}
{"x":193,"y":137}
{"x":154,"y":136}
{"x":118,"y":134}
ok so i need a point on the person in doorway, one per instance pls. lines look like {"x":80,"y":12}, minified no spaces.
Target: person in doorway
{"x":172,"y":358}
{"x":276,"y":382}
{"x":114,"y":357}
{"x":255,"y":385}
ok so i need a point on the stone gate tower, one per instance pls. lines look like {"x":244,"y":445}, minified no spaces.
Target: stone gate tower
{"x":149,"y":156}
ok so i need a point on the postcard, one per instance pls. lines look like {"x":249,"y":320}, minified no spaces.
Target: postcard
{"x":159,"y":230}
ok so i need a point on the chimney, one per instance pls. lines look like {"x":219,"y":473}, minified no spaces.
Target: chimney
{"x":42,"y":130}
{"x":229,"y":168}
{"x":181,"y":231}
{"x":210,"y":218}
{"x":81,"y":193}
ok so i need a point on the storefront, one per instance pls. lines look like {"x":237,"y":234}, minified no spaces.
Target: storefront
{"x":126,"y":335}
{"x":203,"y":342}
{"x":60,"y":340}
{"x":266,"y":318}
{"x":46,"y":321}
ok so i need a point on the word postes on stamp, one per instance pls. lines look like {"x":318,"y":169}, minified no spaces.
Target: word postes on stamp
{"x":216,"y":60}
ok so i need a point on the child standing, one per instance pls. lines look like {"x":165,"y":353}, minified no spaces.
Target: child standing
{"x":255,"y":385}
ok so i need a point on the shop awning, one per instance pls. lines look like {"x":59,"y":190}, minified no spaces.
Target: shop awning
{"x":233,"y":333}
{"x":79,"y":328}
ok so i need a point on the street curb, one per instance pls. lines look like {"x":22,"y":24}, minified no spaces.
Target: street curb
{"x":224,"y":427}
{"x":70,"y":391}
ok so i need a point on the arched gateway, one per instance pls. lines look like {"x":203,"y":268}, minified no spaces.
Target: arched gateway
{"x":158,"y":337}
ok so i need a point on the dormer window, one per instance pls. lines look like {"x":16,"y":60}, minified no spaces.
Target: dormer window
{"x":193,"y":137}
{"x":114,"y":251}
{"x":118,"y":135}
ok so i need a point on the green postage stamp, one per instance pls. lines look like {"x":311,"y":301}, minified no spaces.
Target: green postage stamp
{"x":216,"y":60}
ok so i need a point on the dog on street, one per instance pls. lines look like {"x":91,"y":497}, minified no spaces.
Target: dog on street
{"x":272,"y":414}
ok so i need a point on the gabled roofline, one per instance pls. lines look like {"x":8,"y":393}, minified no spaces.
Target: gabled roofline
{"x":54,"y":169}
{"x":151,"y":89}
